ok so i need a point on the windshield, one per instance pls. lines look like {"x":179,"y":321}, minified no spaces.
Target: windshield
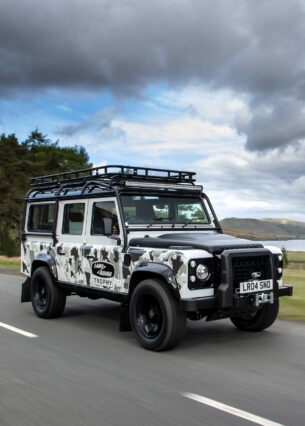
{"x":164,"y":209}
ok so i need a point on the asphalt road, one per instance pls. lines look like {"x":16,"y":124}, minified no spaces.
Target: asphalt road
{"x":80,"y":370}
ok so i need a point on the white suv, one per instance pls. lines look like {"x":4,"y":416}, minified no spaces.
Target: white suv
{"x":149,"y":239}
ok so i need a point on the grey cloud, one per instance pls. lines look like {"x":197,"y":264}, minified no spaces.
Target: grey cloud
{"x":192,"y":111}
{"x":273,"y":126}
{"x":254,"y":48}
{"x":272,"y":60}
{"x":95,"y":123}
{"x":113,"y":43}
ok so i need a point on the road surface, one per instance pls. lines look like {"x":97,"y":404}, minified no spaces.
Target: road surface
{"x":80,"y":370}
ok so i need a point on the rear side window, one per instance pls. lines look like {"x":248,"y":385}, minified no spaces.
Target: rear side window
{"x":73,"y":219}
{"x":41,"y":217}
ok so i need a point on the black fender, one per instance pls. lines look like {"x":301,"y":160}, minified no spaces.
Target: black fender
{"x":145,"y":270}
{"x":42,"y":259}
{"x":45,"y":259}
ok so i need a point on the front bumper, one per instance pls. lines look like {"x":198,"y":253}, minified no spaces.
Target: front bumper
{"x":286,"y":290}
{"x":214,"y":302}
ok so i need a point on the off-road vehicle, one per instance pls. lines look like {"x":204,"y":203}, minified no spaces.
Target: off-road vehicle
{"x":149,"y":239}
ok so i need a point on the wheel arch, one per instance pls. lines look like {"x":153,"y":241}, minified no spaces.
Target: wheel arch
{"x":40,"y":260}
{"x":151,"y":270}
{"x":47,"y":260}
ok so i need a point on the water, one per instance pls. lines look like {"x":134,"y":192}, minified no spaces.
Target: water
{"x":289,"y":245}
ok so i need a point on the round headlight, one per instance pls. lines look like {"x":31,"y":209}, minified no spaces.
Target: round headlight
{"x":202,"y":272}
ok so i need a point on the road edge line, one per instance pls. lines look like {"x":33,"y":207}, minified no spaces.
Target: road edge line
{"x":18,"y":330}
{"x":231,"y":410}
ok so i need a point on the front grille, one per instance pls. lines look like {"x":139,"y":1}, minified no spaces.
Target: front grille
{"x":244,"y":266}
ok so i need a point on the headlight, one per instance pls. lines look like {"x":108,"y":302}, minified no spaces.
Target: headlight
{"x":202,"y":272}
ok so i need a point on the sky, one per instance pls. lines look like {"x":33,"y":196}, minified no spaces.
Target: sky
{"x":211,"y":86}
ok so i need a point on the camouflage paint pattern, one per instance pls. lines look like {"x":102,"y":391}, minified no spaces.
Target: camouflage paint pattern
{"x":103,"y":266}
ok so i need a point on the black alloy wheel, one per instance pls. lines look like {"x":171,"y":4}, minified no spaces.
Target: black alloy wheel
{"x":48,"y":300}
{"x":155,"y":316}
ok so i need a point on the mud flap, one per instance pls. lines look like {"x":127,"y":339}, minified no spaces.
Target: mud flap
{"x":124,"y":317}
{"x":25,"y":291}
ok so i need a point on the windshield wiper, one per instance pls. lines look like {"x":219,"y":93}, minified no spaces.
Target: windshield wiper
{"x":159,"y":219}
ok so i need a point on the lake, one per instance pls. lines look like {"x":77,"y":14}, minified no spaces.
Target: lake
{"x":289,"y":245}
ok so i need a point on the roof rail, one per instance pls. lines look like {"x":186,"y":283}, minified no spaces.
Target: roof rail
{"x":113,"y":174}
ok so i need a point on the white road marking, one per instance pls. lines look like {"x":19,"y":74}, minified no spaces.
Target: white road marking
{"x":231,"y":410}
{"x":17,"y":330}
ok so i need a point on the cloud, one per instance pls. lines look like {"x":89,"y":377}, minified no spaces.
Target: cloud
{"x":298,"y":185}
{"x":113,"y":43}
{"x":94,"y":123}
{"x":252,"y":49}
{"x":249,"y":184}
{"x":275,"y":125}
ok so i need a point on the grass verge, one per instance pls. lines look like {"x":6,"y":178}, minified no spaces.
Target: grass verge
{"x":10,"y":263}
{"x":293,"y":308}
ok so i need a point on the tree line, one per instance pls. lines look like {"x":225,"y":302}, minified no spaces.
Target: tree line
{"x":20,"y":161}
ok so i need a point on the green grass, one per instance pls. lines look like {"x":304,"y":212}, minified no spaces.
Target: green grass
{"x":10,"y":264}
{"x":293,"y":308}
{"x":296,"y":256}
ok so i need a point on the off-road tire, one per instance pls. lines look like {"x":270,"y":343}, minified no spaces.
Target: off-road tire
{"x":158,"y":323}
{"x":48,"y":300}
{"x":259,"y":320}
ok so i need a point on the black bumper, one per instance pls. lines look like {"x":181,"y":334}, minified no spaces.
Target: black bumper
{"x":213,"y":302}
{"x":286,"y":290}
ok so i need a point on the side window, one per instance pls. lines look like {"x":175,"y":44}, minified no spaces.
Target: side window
{"x":73,"y":219}
{"x":100,"y":211}
{"x":41,"y":217}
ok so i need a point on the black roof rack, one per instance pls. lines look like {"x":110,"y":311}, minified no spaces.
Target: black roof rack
{"x":113,"y":175}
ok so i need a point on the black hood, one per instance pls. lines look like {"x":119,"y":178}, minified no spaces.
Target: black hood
{"x":213,"y":243}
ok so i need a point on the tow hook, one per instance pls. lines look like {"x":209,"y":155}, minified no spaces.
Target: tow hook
{"x":263,"y":298}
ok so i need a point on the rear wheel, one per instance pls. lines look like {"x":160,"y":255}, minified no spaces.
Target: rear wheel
{"x":155,"y":317}
{"x":47,"y":299}
{"x":259,"y":320}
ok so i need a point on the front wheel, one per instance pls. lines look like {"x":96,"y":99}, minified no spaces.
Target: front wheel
{"x":155,"y":317}
{"x":47,"y":299}
{"x":259,"y":320}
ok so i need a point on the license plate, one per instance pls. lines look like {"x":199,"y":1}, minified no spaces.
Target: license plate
{"x":255,"y":286}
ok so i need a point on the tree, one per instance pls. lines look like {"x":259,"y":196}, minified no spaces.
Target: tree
{"x":285,"y":257}
{"x":12,"y":187}
{"x":36,"y":156}
{"x":46,"y":157}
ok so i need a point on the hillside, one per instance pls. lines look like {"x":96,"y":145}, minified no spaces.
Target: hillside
{"x":264,"y":229}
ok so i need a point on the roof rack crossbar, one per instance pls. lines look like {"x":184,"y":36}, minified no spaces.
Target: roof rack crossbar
{"x":114,"y":173}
